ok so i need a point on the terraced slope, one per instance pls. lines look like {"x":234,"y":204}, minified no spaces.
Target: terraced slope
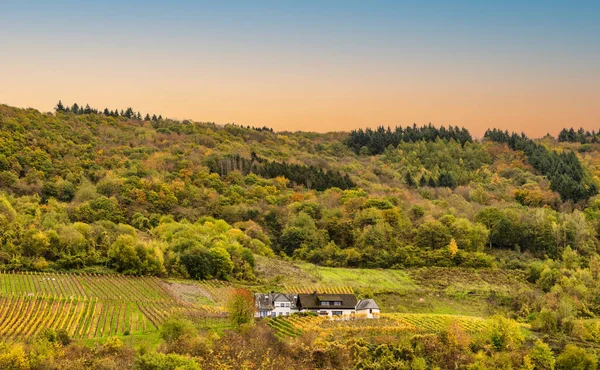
{"x":84,"y":305}
{"x":387,"y":324}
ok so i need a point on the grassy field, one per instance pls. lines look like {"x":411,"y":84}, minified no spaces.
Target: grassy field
{"x":361,"y":279}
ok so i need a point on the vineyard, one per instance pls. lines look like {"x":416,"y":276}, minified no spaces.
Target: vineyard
{"x":307,"y":289}
{"x":388,"y":324}
{"x":85,"y":305}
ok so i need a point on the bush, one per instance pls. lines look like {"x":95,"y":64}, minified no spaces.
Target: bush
{"x":56,"y":336}
{"x":575,"y":358}
{"x":541,"y":356}
{"x":161,"y":361}
{"x":176,"y":329}
{"x":13,"y":357}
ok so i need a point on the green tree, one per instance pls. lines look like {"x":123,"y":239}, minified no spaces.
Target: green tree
{"x":432,"y":235}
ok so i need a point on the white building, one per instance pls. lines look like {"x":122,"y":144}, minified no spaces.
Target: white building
{"x":274,"y":304}
{"x":367,"y":308}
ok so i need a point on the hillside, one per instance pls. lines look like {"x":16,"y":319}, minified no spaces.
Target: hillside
{"x":140,"y":220}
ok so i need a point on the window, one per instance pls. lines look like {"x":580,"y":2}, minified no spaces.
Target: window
{"x":337,"y":303}
{"x":337,"y":313}
{"x":287,"y":305}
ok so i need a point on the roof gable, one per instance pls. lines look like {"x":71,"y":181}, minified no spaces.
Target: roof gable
{"x":364,"y":304}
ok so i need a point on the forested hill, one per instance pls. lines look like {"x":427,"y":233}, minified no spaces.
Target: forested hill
{"x":92,"y":190}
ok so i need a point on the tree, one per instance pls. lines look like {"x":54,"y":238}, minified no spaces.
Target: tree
{"x":222,"y":267}
{"x":240,"y":307}
{"x":409,"y":180}
{"x":453,"y":247}
{"x":59,"y":107}
{"x":432,"y":235}
{"x":198,"y":262}
{"x":446,"y":180}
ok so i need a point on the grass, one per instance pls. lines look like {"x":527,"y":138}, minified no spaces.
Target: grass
{"x":361,"y":279}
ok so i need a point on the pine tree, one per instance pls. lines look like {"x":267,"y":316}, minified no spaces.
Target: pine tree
{"x":59,"y":107}
{"x":147,"y":118}
{"x":432,"y":183}
{"x":409,"y":180}
{"x":423,"y":181}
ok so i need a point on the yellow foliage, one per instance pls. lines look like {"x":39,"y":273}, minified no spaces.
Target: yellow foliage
{"x":453,"y":247}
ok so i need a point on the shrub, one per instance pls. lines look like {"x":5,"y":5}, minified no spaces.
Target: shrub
{"x":12,"y":356}
{"x":176,"y":329}
{"x":161,"y":361}
{"x":575,"y":358}
{"x":541,"y":356}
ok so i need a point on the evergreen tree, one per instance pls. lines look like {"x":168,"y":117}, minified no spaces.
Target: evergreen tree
{"x":446,"y":180}
{"x":409,"y":180}
{"x":59,"y":107}
{"x":147,"y":118}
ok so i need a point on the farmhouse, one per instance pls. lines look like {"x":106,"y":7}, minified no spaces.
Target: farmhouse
{"x":327,"y":304}
{"x":333,"y":305}
{"x":274,"y":304}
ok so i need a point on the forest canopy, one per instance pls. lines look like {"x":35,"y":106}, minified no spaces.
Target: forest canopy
{"x":96,"y":192}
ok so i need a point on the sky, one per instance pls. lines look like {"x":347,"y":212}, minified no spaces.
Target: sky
{"x":531,"y":66}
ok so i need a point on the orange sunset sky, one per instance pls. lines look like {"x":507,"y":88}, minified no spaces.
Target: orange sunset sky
{"x":319,"y":66}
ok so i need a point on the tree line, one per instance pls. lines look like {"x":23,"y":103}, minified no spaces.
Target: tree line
{"x":565,"y":172}
{"x":127,"y":113}
{"x":310,"y":176}
{"x":376,"y":141}
{"x":580,"y":136}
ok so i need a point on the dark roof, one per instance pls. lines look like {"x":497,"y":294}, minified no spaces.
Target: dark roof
{"x":313,"y":301}
{"x":364,"y":304}
{"x":265,"y":301}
